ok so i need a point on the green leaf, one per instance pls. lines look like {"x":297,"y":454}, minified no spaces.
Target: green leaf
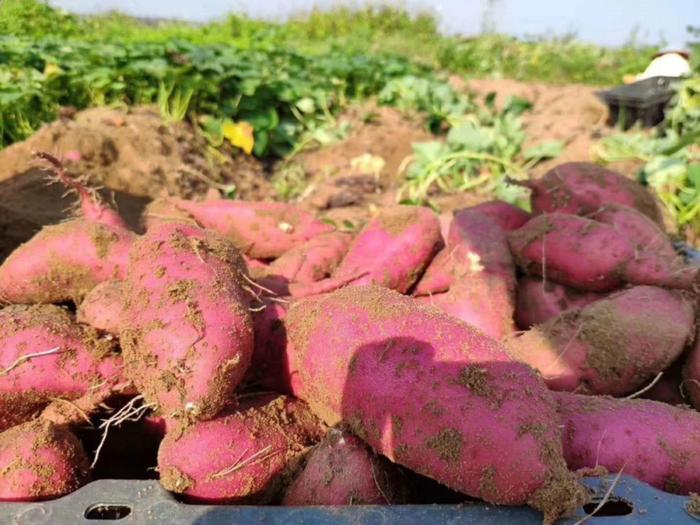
{"x":429,"y":151}
{"x":306,"y":105}
{"x":469,"y":137}
{"x":544,"y":150}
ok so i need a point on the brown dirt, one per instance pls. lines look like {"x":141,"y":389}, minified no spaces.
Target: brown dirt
{"x":131,"y":152}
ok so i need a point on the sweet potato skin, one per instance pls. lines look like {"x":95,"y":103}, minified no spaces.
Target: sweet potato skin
{"x":382,"y":344}
{"x":103,"y":307}
{"x":262,"y":230}
{"x":538,"y":301}
{"x":77,"y":365}
{"x":581,"y":188}
{"x":40,"y":461}
{"x":612,"y":346}
{"x":341,"y":470}
{"x":188,"y":336}
{"x":654,"y":442}
{"x":506,"y":215}
{"x":239,"y":457}
{"x":690,"y":386}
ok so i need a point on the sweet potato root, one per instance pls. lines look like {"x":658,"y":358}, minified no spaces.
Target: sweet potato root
{"x":433,"y":394}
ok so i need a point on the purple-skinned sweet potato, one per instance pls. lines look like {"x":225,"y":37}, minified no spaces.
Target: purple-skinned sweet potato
{"x":432,"y":394}
{"x":690,"y":386}
{"x":508,"y":216}
{"x":243,"y":456}
{"x":592,"y":256}
{"x":341,"y":470}
{"x":40,"y":461}
{"x":46,"y":358}
{"x":581,"y":188}
{"x":612,"y":346}
{"x":538,"y":301}
{"x":188,"y":335}
{"x":651,"y":441}
{"x":392,"y":250}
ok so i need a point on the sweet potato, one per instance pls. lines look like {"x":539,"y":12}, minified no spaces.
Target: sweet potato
{"x":476,"y":246}
{"x":669,"y":388}
{"x":341,"y":470}
{"x":644,"y":233}
{"x":262,"y":230}
{"x":591,"y":256}
{"x":612,"y":346}
{"x":538,"y":301}
{"x":188,"y":336}
{"x":581,"y":188}
{"x":690,"y":386}
{"x":314,"y":260}
{"x":651,"y":441}
{"x":484,"y":302}
{"x":46,"y":357}
{"x":241,"y":457}
{"x":507,"y":216}
{"x":103,"y":307}
{"x":392,"y":250}
{"x":432,"y":394}
{"x":40,"y":461}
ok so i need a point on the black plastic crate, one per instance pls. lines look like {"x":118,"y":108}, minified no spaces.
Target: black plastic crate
{"x":620,"y":500}
{"x":643,"y":101}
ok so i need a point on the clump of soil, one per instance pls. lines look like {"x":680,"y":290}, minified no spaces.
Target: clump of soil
{"x":131,"y":152}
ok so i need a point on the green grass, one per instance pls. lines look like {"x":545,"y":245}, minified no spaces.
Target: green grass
{"x":365,"y":31}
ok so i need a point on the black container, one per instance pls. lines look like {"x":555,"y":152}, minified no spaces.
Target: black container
{"x":643,"y":101}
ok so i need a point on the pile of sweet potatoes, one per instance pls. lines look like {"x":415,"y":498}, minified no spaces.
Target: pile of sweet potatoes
{"x":271,"y":359}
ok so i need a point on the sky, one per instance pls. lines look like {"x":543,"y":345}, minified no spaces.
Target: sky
{"x":604,"y":22}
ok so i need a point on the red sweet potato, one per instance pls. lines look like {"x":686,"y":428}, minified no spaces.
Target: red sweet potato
{"x":612,"y":346}
{"x":392,"y":250}
{"x":690,"y":386}
{"x":539,"y":301}
{"x":591,"y":256}
{"x":581,"y":188}
{"x":46,"y":357}
{"x":40,"y":461}
{"x":651,"y":441}
{"x":240,"y":457}
{"x":188,"y":336}
{"x":507,"y":216}
{"x":103,"y":307}
{"x":432,"y":394}
{"x":341,"y":470}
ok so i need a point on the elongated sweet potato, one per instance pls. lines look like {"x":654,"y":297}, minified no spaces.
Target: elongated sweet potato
{"x":46,"y":357}
{"x":263,"y":230}
{"x":432,"y":394}
{"x":612,"y":346}
{"x":341,"y":470}
{"x":103,"y":307}
{"x":581,"y":188}
{"x":591,"y":256}
{"x":240,"y":457}
{"x":539,"y":301}
{"x":40,"y":461}
{"x":392,"y":250}
{"x":476,"y":246}
{"x":652,"y":441}
{"x":65,"y":261}
{"x":188,"y":336}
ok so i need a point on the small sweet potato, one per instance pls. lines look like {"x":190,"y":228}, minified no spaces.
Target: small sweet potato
{"x":240,"y":457}
{"x":40,"y":461}
{"x":651,"y":441}
{"x":539,"y":301}
{"x":188,"y":335}
{"x":341,"y":470}
{"x":432,"y":394}
{"x":392,"y":250}
{"x":612,"y":346}
{"x":581,"y":188}
{"x":103,"y":307}
{"x":65,"y":261}
{"x":46,"y":358}
{"x":263,"y":230}
{"x":507,"y":216}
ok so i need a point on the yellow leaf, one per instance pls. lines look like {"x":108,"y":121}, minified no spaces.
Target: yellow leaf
{"x":240,"y":134}
{"x":51,"y":70}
